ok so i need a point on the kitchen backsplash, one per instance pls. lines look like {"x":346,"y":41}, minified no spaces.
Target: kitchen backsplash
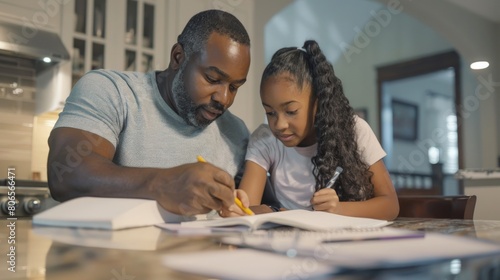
{"x":23,"y":144}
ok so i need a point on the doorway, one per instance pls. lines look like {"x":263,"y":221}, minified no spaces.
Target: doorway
{"x":419,"y":123}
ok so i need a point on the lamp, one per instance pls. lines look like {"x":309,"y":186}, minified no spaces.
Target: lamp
{"x":478,"y":65}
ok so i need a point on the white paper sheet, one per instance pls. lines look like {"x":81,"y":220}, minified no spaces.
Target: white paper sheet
{"x":246,"y":264}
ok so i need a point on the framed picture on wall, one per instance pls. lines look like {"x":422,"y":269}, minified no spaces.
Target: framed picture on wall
{"x":362,"y":113}
{"x":404,"y":120}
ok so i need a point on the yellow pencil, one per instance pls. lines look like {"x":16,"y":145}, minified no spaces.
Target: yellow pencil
{"x":200,"y":159}
{"x":245,"y":209}
{"x":236,"y":200}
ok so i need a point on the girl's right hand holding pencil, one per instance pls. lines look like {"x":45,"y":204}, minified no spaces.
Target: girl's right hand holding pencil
{"x":325,"y":200}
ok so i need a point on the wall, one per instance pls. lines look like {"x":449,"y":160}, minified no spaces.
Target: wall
{"x":16,"y":128}
{"x":42,"y":125}
{"x":17,"y":106}
{"x":496,"y":68}
{"x":403,"y":38}
{"x":264,"y":11}
{"x":474,"y":38}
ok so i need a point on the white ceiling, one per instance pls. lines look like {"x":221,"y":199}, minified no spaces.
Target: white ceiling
{"x":489,"y":9}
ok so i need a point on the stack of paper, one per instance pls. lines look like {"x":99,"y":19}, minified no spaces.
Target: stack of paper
{"x":246,"y":264}
{"x":304,"y":255}
{"x":377,"y":248}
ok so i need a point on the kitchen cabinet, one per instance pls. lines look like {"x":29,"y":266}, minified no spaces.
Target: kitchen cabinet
{"x":139,"y":36}
{"x":32,"y":15}
{"x":112,"y":34}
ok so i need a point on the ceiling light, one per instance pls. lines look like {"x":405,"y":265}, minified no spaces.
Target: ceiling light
{"x":47,"y":59}
{"x":479,"y":65}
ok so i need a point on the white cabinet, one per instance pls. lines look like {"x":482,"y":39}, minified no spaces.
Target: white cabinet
{"x":114,"y":34}
{"x":33,"y":15}
{"x":139,"y":36}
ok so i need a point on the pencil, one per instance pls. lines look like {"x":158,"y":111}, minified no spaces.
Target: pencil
{"x":236,"y":200}
{"x":338,"y":170}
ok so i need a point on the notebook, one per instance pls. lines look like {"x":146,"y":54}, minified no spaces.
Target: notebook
{"x":106,"y":213}
{"x":139,"y":238}
{"x":303,"y":219}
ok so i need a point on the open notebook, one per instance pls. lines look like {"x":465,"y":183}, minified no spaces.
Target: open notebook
{"x":121,"y":213}
{"x":303,"y":219}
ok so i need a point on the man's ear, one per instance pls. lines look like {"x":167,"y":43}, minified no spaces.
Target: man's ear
{"x":176,"y":56}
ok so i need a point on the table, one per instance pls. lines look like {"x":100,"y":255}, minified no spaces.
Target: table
{"x":39,"y":257}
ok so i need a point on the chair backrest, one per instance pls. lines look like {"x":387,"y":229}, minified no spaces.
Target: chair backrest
{"x":436,"y":206}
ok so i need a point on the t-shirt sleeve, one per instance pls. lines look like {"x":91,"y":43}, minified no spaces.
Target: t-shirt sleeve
{"x":369,"y":146}
{"x":260,"y":147}
{"x":94,"y":105}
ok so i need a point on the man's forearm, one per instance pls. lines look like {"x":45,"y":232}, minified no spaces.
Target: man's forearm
{"x":99,"y":177}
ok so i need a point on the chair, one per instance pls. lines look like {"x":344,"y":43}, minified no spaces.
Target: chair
{"x":435,"y":206}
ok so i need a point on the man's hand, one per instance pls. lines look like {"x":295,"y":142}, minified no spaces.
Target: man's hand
{"x":197,"y":189}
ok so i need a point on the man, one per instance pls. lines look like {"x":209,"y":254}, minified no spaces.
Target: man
{"x":124,"y":134}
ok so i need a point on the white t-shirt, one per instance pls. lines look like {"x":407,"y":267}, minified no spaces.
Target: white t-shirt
{"x":291,"y":167}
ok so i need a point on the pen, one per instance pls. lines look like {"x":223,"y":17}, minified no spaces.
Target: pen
{"x":236,"y":200}
{"x":338,"y":170}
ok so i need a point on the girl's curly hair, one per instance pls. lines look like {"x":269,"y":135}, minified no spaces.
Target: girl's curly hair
{"x":334,"y":121}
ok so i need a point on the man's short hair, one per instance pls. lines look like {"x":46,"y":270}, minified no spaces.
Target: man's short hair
{"x":195,"y":35}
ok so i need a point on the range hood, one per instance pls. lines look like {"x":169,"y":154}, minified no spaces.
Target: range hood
{"x":32,"y":43}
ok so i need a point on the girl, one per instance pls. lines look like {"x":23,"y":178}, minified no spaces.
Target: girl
{"x":313,"y":130}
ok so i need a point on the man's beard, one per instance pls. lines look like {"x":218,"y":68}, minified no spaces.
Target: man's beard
{"x":186,"y":108}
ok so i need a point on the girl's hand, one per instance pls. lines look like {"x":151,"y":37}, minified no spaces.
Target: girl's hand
{"x":261,"y":209}
{"x":325,"y":200}
{"x":234,"y":210}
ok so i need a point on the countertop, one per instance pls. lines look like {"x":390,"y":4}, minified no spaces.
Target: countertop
{"x":59,"y":253}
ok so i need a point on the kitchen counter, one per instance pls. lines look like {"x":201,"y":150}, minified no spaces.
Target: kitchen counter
{"x":486,"y":187}
{"x":62,"y":253}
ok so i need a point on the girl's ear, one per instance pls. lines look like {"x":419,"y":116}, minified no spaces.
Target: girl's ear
{"x":177,"y":56}
{"x":315,"y":106}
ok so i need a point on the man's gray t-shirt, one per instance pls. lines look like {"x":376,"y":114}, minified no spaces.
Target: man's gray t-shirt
{"x":126,"y":108}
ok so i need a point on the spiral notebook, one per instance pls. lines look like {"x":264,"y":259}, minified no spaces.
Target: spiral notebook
{"x":303,"y":219}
